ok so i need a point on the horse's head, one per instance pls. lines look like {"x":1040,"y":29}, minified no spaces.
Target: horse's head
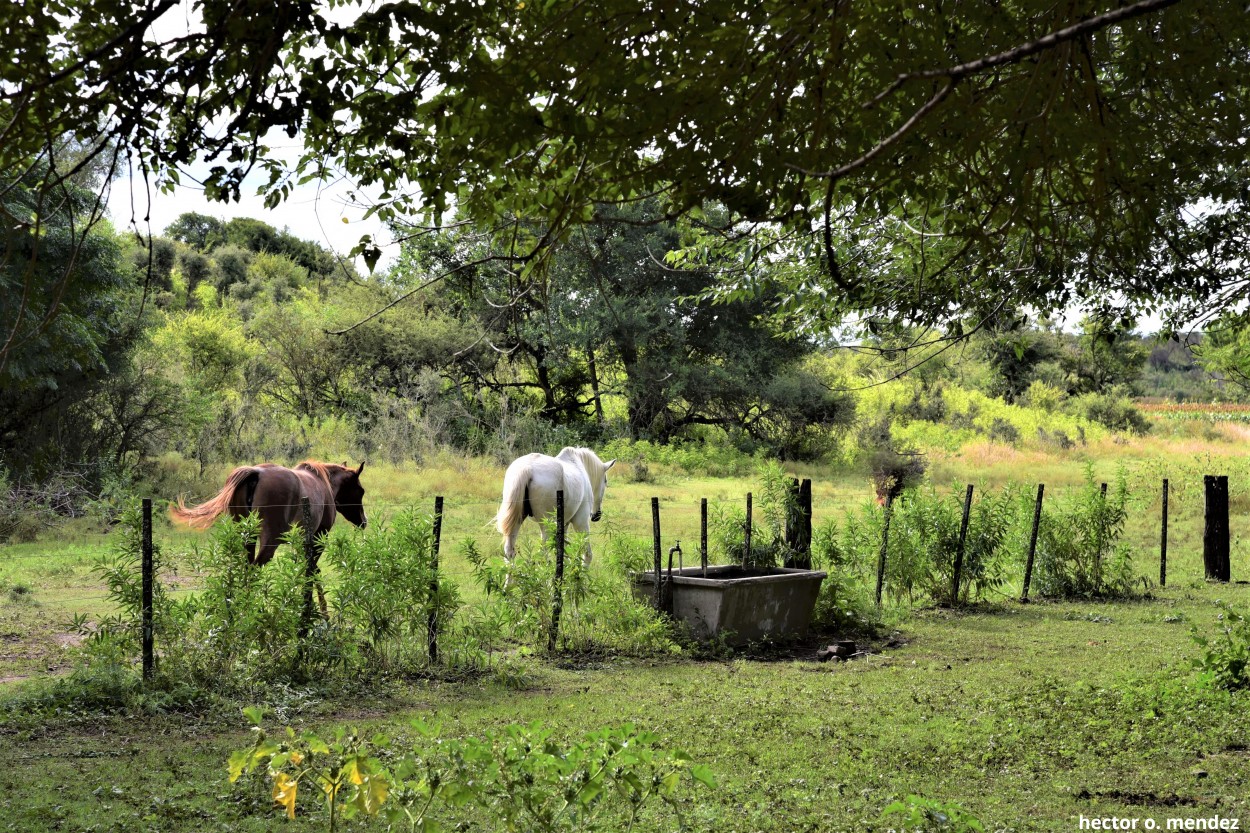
{"x":599,"y":485}
{"x":349,"y":495}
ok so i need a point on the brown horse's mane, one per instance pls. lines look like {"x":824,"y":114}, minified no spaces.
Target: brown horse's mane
{"x":320,"y":469}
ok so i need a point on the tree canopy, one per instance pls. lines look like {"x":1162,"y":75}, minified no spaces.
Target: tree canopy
{"x":933,"y":162}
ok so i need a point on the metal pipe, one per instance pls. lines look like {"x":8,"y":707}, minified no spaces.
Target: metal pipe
{"x":676,"y":548}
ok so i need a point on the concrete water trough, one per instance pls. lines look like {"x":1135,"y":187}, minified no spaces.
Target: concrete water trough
{"x":738,"y":604}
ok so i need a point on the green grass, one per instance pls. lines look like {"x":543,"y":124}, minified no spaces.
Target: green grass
{"x":1026,"y":715}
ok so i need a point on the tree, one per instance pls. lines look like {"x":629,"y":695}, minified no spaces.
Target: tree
{"x":1107,"y":355}
{"x":614,"y":318}
{"x":199,"y":231}
{"x":69,"y":306}
{"x":1057,"y":149}
{"x":1225,"y":349}
{"x":1015,"y":352}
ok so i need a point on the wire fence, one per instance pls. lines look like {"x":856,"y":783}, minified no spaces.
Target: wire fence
{"x":467,"y":518}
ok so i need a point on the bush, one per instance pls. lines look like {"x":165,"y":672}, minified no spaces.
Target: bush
{"x":517,"y":779}
{"x":1114,"y":411}
{"x":1079,"y":551}
{"x":1043,"y":397}
{"x":242,"y":631}
{"x":1225,"y":660}
{"x":389,"y":592}
{"x":1002,"y":431}
{"x":600,"y":613}
{"x":924,"y":542}
{"x":846,"y":596}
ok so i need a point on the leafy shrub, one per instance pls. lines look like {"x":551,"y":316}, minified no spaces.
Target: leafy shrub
{"x":926,"y":405}
{"x":924,"y":543}
{"x":599,"y":613}
{"x":388,"y":591}
{"x":930,"y":816}
{"x":772,"y":504}
{"x":1114,"y":411}
{"x":1079,"y":547}
{"x":517,"y":779}
{"x":846,"y":597}
{"x":893,"y":468}
{"x":1043,"y":397}
{"x":120,"y":570}
{"x":1054,"y":439}
{"x":243,"y":629}
{"x":1002,"y":431}
{"x":1225,"y":660}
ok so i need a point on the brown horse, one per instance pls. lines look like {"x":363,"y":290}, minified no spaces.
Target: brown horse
{"x":273,"y":492}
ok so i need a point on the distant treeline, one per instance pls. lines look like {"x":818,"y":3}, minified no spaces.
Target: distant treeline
{"x":224,"y":341}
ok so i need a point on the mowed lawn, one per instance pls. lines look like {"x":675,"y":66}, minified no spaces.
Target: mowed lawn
{"x":1029,"y":716}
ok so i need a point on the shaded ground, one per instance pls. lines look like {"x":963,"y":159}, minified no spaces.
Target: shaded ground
{"x":34,"y":641}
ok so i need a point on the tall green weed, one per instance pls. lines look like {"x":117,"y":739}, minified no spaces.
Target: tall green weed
{"x":389,"y":591}
{"x":1080,"y":551}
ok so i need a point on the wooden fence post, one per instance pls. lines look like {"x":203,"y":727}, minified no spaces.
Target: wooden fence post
{"x":703,"y":535}
{"x":746,"y":552}
{"x":805,"y":522}
{"x":149,"y":579}
{"x":1037,"y":520}
{"x":885,"y":538}
{"x":1215,"y":556}
{"x":655,"y":537}
{"x":557,"y":600}
{"x":793,"y":532}
{"x":305,"y":620}
{"x":431,"y":625}
{"x":1102,"y":536}
{"x":959,"y":551}
{"x":1163,"y":539}
{"x":799,"y":525}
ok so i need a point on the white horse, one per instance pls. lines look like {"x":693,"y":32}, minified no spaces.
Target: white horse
{"x":530,"y":486}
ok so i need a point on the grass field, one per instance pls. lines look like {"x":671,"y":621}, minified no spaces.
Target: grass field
{"x":1029,"y":716}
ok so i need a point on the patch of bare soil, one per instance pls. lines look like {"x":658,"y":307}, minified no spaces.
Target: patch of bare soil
{"x":823,"y":646}
{"x":32,"y":644}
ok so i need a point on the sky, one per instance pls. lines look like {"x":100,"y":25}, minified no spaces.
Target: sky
{"x":322,"y":213}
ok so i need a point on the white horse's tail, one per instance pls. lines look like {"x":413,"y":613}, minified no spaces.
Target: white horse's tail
{"x":512,"y":510}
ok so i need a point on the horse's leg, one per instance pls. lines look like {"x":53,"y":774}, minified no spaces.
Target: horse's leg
{"x":581,"y":523}
{"x":509,"y":543}
{"x":321,"y":591}
{"x":268,"y":546}
{"x":509,"y":553}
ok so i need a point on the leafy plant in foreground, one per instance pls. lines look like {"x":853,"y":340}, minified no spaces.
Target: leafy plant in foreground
{"x":928,"y":815}
{"x":519,"y":778}
{"x":121,"y":572}
{"x":1225,"y":660}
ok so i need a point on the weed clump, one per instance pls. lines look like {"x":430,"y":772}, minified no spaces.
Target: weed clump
{"x":1080,"y":551}
{"x":1224,"y":661}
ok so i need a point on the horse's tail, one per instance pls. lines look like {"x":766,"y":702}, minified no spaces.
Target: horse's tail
{"x":203,"y":515}
{"x":511,"y":512}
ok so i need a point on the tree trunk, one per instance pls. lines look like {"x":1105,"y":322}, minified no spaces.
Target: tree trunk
{"x":594,"y":385}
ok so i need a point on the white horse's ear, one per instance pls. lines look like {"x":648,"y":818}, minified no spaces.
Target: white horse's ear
{"x":609,"y":465}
